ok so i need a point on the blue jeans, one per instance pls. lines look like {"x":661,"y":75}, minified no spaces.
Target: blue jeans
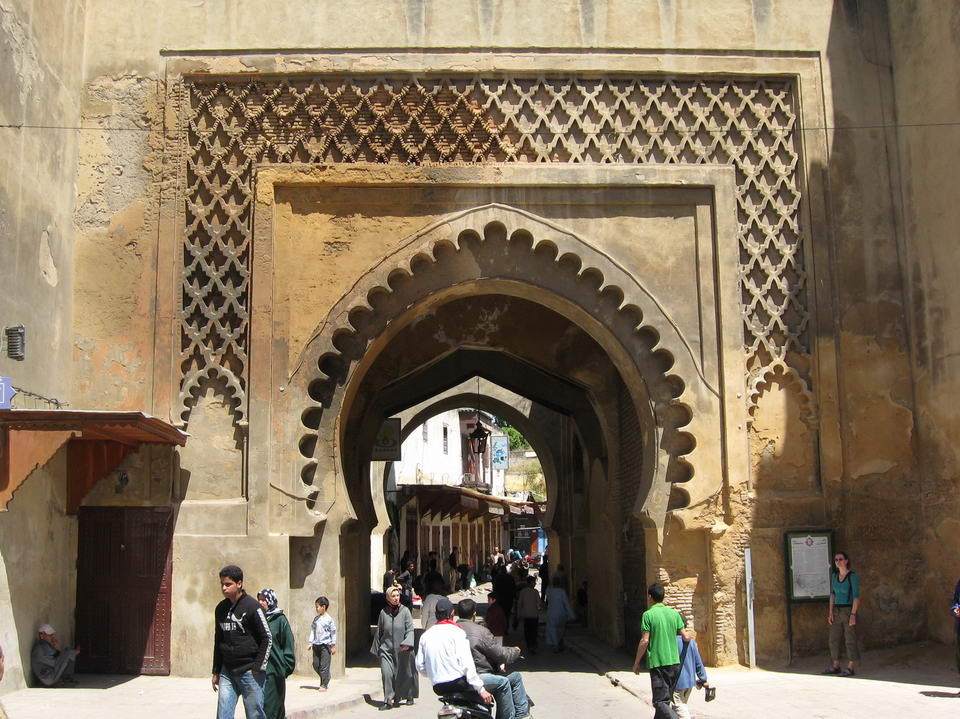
{"x":248,"y":685}
{"x":509,"y":693}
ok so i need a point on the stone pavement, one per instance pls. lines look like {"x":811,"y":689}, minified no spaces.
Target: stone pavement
{"x":123,"y":697}
{"x":914,"y":680}
{"x":918,"y":679}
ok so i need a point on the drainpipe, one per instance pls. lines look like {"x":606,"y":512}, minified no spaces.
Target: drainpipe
{"x":751,"y":636}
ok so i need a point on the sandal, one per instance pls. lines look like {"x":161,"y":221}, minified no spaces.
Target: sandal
{"x":848,"y":672}
{"x":831,"y":670}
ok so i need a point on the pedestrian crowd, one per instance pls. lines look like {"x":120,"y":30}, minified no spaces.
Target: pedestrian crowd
{"x":254,"y":645}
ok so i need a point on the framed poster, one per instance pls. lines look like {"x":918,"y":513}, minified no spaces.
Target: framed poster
{"x":808,"y":556}
{"x":500,"y":452}
{"x":386,"y":447}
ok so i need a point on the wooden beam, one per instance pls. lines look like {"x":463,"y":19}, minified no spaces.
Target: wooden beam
{"x":23,"y":452}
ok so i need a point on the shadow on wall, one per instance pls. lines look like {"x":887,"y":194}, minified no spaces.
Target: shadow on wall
{"x":39,"y":546}
{"x":881,"y":491}
{"x":785,"y":469}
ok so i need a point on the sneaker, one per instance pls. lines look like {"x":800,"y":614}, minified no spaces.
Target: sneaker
{"x":831,"y":670}
{"x":409,"y":702}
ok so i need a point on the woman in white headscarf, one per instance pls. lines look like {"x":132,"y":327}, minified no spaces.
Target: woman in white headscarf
{"x":282,"y":656}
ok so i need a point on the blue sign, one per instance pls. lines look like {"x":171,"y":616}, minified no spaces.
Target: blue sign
{"x":501,"y":452}
{"x":7,"y":392}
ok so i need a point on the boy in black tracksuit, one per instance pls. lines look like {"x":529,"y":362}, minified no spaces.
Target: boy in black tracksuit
{"x":241,"y":648}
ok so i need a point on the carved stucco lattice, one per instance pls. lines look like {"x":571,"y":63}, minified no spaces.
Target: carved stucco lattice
{"x":231,"y":124}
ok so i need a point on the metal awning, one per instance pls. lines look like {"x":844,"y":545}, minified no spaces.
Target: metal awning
{"x":97,"y":442}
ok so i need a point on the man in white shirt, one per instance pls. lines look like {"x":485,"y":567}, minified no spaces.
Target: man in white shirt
{"x":445,"y":658}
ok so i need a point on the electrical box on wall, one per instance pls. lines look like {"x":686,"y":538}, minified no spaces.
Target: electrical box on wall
{"x":15,"y":342}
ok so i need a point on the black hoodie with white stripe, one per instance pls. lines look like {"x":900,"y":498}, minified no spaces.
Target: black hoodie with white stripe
{"x":242,"y":638}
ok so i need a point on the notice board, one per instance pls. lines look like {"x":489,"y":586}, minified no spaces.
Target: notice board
{"x":808,"y":556}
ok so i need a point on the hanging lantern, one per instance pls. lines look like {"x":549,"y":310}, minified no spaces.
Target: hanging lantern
{"x":478,"y":438}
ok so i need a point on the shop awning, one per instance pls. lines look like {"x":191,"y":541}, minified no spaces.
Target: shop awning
{"x":97,"y":442}
{"x":446,"y":500}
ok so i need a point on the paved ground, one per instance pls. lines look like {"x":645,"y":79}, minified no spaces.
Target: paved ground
{"x":108,"y":697}
{"x":915,"y":680}
{"x":561,"y":685}
{"x":588,"y":681}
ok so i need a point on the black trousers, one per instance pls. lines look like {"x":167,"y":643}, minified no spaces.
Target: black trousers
{"x":530,"y":632}
{"x":662,"y":680}
{"x":321,"y":662}
{"x":457,"y":686}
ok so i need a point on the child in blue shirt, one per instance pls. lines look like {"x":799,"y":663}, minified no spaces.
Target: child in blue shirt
{"x":323,"y":640}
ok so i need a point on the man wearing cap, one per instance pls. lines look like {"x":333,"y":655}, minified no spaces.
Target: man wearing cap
{"x":445,"y":658}
{"x":50,"y":664}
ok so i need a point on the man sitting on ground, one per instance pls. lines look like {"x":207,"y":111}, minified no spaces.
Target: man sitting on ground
{"x":444,"y":657}
{"x":491,"y":658}
{"x":50,"y":664}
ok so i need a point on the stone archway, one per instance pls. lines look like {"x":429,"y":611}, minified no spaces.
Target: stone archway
{"x":540,"y":443}
{"x":498,"y":250}
{"x":488,"y":397}
{"x":495,"y":248}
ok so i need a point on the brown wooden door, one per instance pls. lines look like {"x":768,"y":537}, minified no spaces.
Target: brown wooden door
{"x":123,"y":589}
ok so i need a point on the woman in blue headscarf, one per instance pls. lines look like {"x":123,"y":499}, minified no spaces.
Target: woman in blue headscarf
{"x":282,"y":656}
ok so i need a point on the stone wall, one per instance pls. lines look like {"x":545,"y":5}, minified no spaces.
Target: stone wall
{"x":37,"y":568}
{"x":41,"y":48}
{"x":41,"y":51}
{"x":924,"y":40}
{"x":840,"y":457}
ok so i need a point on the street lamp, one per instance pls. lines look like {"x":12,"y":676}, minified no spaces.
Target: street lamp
{"x":478,"y":437}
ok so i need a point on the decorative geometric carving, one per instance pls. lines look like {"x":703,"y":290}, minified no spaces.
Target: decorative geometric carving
{"x":233,"y":124}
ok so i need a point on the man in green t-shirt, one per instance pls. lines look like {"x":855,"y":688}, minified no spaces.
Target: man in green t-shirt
{"x":660,"y":626}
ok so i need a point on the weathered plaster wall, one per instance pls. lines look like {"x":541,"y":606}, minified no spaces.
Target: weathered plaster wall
{"x":879,"y":486}
{"x":41,"y":53}
{"x":116,"y":226}
{"x":37,"y":568}
{"x":925,"y":40}
{"x":196,"y":591}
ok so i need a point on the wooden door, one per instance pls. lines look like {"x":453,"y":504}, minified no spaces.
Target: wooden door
{"x":123,"y":589}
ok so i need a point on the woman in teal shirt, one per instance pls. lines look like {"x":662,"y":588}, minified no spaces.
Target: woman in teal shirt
{"x":842,"y":617}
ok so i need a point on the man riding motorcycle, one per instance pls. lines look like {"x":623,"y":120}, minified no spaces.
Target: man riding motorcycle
{"x":445,"y":658}
{"x":491,"y":659}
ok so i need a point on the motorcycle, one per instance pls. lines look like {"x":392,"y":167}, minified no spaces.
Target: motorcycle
{"x":463,"y":706}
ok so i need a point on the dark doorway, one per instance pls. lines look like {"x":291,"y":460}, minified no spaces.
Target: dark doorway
{"x":123,"y":589}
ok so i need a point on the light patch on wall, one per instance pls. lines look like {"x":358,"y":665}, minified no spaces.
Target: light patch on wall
{"x":48,"y":269}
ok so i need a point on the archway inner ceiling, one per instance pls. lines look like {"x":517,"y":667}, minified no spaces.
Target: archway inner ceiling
{"x":517,"y":343}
